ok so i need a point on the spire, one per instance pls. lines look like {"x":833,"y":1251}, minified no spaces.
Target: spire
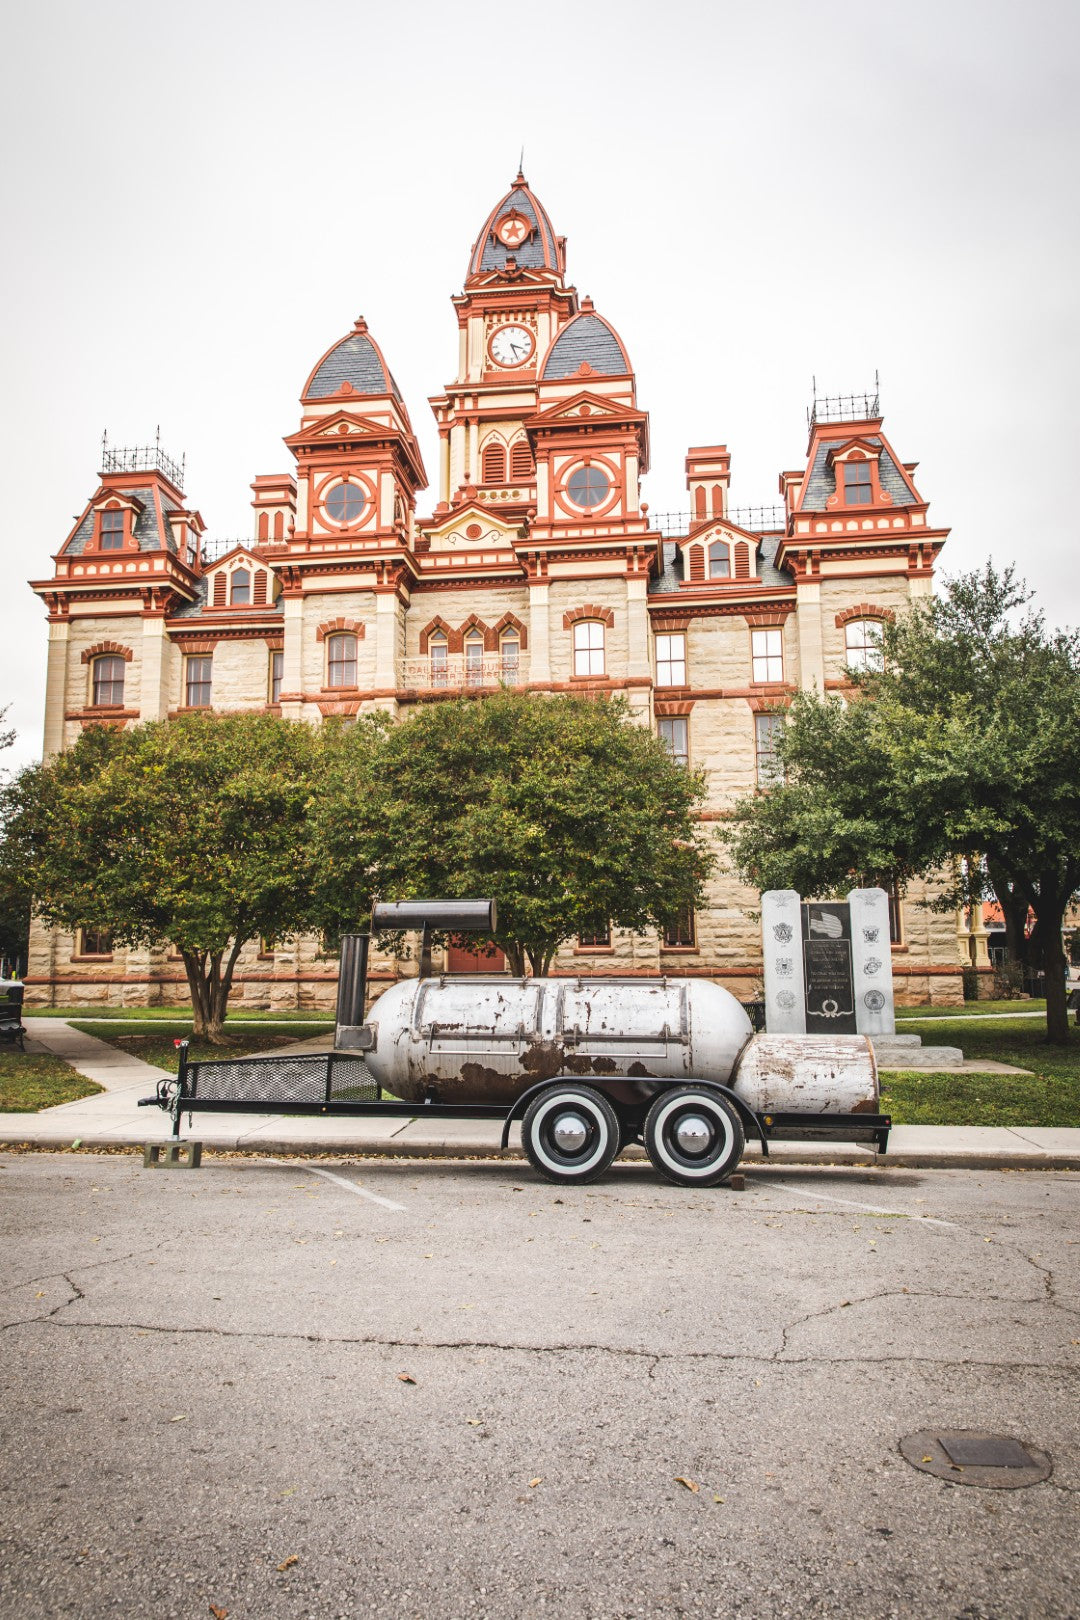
{"x":518,"y":235}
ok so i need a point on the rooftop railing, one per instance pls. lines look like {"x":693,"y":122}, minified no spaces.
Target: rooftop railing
{"x":758,"y":519}
{"x":142,"y":458}
{"x":844,"y":407}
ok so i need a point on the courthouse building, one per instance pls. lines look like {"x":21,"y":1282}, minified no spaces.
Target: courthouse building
{"x":537,"y":564}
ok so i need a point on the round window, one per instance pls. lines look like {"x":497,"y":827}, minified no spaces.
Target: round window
{"x":588,"y":486}
{"x":344,"y":503}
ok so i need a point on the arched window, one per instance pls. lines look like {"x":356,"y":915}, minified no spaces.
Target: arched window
{"x":522,"y":465}
{"x":108,"y":681}
{"x":862,"y":644}
{"x":493,"y":463}
{"x":474,"y":658}
{"x":719,"y":560}
{"x":510,"y":656}
{"x":438,"y":652}
{"x":341,"y":660}
{"x":240,"y":588}
{"x":588,"y":647}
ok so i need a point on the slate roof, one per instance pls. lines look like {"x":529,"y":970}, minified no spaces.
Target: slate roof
{"x":150,"y":536}
{"x":538,"y":253}
{"x":354,"y":360}
{"x":672,"y":576}
{"x":822,"y":480}
{"x":589,"y":338}
{"x":197,"y":606}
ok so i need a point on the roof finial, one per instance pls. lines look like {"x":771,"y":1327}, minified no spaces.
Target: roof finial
{"x":521,"y":166}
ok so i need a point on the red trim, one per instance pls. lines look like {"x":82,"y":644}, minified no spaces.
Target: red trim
{"x":863,"y":610}
{"x":333,"y":626}
{"x":107,"y":647}
{"x":590,"y":611}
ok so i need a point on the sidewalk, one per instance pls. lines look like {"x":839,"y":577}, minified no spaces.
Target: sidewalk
{"x":114,"y":1119}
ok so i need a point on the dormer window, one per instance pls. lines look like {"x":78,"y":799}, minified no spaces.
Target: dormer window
{"x":240,"y":587}
{"x":858,"y":490}
{"x":719,"y":560}
{"x":112,"y":531}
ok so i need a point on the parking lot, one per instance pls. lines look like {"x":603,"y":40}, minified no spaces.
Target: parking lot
{"x":328,"y":1388}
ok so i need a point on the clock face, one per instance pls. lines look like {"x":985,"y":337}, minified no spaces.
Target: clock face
{"x":511,"y":346}
{"x":512,"y":230}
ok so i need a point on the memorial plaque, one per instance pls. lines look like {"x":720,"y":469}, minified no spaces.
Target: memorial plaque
{"x":830,"y":997}
{"x":781,"y":949}
{"x":871,"y":962}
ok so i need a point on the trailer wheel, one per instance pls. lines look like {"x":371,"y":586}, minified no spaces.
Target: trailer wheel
{"x":570,"y":1133}
{"x":693,"y":1137}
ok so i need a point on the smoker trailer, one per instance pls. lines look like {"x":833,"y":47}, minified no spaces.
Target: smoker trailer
{"x":586,"y":1065}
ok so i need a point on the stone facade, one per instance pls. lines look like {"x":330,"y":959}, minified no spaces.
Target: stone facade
{"x":538,"y":566}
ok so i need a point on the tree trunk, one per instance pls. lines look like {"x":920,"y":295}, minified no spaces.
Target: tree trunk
{"x":209,"y":985}
{"x":1056,"y":970}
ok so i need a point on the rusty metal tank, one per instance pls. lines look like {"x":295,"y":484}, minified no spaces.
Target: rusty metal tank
{"x":486,"y":1040}
{"x":808,"y":1074}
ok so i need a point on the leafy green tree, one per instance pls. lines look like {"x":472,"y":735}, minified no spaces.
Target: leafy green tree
{"x":14,"y":895}
{"x":563,"y":809}
{"x":190,"y":831}
{"x":960,"y":757}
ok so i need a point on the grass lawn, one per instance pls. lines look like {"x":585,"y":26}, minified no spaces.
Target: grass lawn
{"x":970,"y":1009}
{"x":172,"y":1015}
{"x":1050,"y":1095}
{"x":32,"y":1081}
{"x":157,"y":1047}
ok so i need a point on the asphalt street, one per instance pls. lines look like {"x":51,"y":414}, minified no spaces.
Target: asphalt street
{"x":434,"y":1389}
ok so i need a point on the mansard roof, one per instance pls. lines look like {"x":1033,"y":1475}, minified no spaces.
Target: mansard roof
{"x":586,"y":340}
{"x":539,"y":250}
{"x":150,"y":523}
{"x":355,"y":363}
{"x":821,"y":482}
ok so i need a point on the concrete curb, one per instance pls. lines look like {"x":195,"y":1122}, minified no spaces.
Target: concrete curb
{"x":783,"y":1155}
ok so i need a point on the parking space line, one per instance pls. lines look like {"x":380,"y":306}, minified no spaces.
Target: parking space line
{"x":350,"y":1186}
{"x":874,"y":1209}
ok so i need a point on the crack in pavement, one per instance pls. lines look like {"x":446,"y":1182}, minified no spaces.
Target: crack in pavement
{"x":655,"y":1357}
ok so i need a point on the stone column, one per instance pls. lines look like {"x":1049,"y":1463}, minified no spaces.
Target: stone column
{"x":781,"y":939}
{"x":388,"y":637}
{"x":154,"y":669}
{"x":56,"y":687}
{"x":539,"y":632}
{"x":871,"y":962}
{"x":292,"y":664}
{"x":811,"y":640}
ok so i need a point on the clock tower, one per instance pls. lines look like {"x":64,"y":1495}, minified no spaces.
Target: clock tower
{"x":514,"y":302}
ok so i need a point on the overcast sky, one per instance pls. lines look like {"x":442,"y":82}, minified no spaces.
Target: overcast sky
{"x":199,"y":199}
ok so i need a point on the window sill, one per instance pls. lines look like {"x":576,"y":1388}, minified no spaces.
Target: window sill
{"x":107,"y":958}
{"x":679,"y":950}
{"x":339,"y":691}
{"x":594,"y":950}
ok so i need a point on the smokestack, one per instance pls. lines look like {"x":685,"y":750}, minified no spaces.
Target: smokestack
{"x":352,"y":991}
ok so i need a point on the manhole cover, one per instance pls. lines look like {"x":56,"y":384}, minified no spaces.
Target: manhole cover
{"x":974,"y":1457}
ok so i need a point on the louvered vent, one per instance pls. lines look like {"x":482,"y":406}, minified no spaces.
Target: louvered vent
{"x":259,"y":597}
{"x":742,"y":561}
{"x":697,"y":562}
{"x":493,"y":464}
{"x":522,"y":465}
{"x":219,"y":590}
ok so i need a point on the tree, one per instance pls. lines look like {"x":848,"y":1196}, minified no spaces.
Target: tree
{"x":190,"y":831}
{"x":566,"y":812}
{"x":14,"y":896}
{"x":966,"y":744}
